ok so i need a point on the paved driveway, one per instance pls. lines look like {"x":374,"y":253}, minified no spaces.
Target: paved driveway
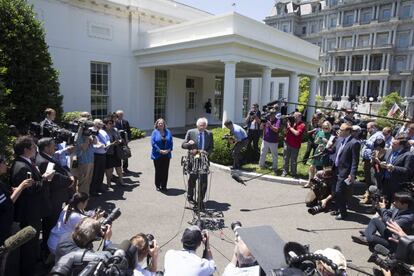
{"x":148,"y":211}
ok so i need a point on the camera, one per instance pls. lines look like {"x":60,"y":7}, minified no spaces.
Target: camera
{"x":150,"y":238}
{"x":252,"y":113}
{"x":111,"y":217}
{"x":316,"y":210}
{"x":227,"y":137}
{"x":399,"y":263}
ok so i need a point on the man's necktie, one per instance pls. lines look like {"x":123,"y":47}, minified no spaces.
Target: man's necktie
{"x":200,"y":141}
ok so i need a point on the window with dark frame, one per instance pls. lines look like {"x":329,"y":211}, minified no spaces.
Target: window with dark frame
{"x":99,"y":89}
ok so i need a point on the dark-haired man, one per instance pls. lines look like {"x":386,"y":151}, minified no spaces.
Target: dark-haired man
{"x":186,"y":261}
{"x":33,"y":203}
{"x":345,"y":167}
{"x":60,"y":187}
{"x":48,"y":122}
{"x":398,"y":167}
{"x":401,"y":214}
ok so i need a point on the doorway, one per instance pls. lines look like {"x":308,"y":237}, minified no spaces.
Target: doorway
{"x":191,"y":101}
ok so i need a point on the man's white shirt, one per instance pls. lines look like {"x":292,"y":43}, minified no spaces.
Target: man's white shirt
{"x":187,"y":263}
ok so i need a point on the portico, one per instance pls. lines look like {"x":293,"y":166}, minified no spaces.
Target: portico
{"x":232,"y":46}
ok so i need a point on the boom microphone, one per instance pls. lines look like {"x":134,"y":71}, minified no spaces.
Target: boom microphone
{"x":238,"y":179}
{"x":18,"y":239}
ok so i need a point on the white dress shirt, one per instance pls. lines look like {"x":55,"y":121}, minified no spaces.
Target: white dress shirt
{"x":139,"y":271}
{"x":232,"y":270}
{"x":187,"y":263}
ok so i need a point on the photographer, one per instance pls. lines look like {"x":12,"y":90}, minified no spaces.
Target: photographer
{"x":293,"y":140}
{"x":86,"y":232}
{"x":401,"y":214}
{"x":113,"y":159}
{"x":398,"y":167}
{"x":61,"y":185}
{"x":69,"y":217}
{"x":270,"y":140}
{"x":243,"y":262}
{"x":82,"y":168}
{"x":8,"y":197}
{"x":48,"y":123}
{"x":145,"y":251}
{"x":336,"y":257}
{"x":252,"y":122}
{"x":186,"y":262}
{"x":366,"y":151}
{"x":240,"y":142}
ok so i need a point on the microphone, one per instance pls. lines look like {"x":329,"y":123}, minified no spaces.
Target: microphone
{"x":238,"y":179}
{"x":381,"y":250}
{"x":18,"y":239}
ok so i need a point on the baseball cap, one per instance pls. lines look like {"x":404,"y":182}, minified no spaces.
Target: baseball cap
{"x":191,"y":237}
{"x":335,"y":256}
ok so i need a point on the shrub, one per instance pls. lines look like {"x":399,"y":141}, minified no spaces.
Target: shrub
{"x":30,"y":76}
{"x":136,"y":133}
{"x":304,"y":88}
{"x":221,"y":153}
{"x":71,"y":116}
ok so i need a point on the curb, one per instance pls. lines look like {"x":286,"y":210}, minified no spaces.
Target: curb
{"x":269,"y":178}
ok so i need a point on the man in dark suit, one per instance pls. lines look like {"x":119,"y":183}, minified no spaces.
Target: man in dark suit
{"x":60,"y":187}
{"x":33,"y":203}
{"x":401,"y":213}
{"x":48,"y":123}
{"x":398,"y":167}
{"x":122,"y":124}
{"x":198,"y":140}
{"x":345,"y":168}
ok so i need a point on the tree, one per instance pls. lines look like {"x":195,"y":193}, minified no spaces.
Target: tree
{"x":304,"y":88}
{"x":30,"y":76}
{"x":387,"y":103}
{"x":5,"y":140}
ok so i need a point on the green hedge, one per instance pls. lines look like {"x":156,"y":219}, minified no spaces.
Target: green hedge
{"x":71,"y":116}
{"x":136,"y":133}
{"x":221,"y":153}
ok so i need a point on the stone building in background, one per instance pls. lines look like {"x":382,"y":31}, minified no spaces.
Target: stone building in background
{"x":366,"y":47}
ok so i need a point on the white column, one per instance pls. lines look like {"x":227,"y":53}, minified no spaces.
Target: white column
{"x":293,"y":95}
{"x":312,"y":97}
{"x":348,"y":88}
{"x":368,"y":62}
{"x":346,"y":63}
{"x":366,"y":88}
{"x":383,"y":62}
{"x":408,"y":87}
{"x":397,"y":9}
{"x":364,"y":58}
{"x":388,"y":62}
{"x":361,"y":90}
{"x":393,"y":10}
{"x":350,"y":63}
{"x":380,"y":88}
{"x":266,"y":79}
{"x":394,"y":37}
{"x":384,"y":89}
{"x":229,"y":90}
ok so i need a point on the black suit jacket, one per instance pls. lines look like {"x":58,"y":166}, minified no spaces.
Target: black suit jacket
{"x":348,"y":159}
{"x":403,"y":166}
{"x":34,"y":202}
{"x":59,"y":190}
{"x":124,"y":125}
{"x":193,"y":134}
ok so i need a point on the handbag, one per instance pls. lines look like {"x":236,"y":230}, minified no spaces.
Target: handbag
{"x":124,"y":152}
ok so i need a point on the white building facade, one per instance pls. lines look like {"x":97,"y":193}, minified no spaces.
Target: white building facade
{"x":160,"y":58}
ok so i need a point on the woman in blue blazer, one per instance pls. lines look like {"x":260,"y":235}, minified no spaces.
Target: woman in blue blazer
{"x":162,"y":145}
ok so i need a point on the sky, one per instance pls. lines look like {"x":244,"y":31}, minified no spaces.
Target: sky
{"x":256,"y":9}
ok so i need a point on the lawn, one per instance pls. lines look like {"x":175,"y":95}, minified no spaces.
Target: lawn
{"x":302,"y":169}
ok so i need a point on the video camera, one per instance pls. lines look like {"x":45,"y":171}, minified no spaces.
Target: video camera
{"x":400,"y":263}
{"x":58,"y":134}
{"x":113,"y":261}
{"x":269,"y":108}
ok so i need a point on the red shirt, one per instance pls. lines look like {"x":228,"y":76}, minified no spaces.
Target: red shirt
{"x":293,"y":140}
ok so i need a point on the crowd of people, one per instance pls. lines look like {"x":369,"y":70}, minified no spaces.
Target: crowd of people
{"x":51,"y":182}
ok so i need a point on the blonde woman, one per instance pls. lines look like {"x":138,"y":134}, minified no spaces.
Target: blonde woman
{"x":162,"y":145}
{"x":321,"y":139}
